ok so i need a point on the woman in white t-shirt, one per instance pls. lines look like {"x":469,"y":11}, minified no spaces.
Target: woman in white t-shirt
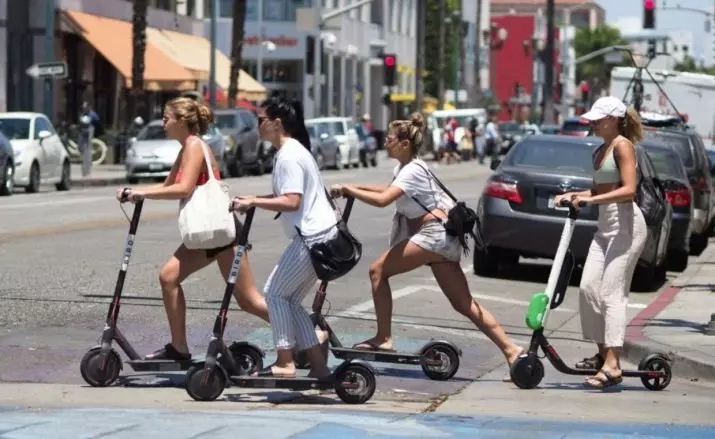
{"x":308,"y":218}
{"x":418,"y":238}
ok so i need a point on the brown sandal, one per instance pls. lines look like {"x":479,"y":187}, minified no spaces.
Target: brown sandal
{"x":595,"y":363}
{"x":607,"y":381}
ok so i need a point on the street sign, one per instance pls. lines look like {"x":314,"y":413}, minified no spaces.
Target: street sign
{"x":56,"y":70}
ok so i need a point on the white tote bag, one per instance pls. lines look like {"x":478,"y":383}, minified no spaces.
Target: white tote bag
{"x":204,"y":219}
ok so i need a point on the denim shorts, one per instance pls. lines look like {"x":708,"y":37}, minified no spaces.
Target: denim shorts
{"x":433,"y":237}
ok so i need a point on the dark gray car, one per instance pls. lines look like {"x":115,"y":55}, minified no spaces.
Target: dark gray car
{"x":7,"y":167}
{"x":246,"y":152}
{"x":519,"y":219}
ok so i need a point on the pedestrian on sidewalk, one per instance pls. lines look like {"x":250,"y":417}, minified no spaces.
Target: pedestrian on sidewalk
{"x":418,"y":238}
{"x":619,"y":239}
{"x":185,"y":121}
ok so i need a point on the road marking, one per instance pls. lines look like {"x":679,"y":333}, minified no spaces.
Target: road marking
{"x":45,"y":204}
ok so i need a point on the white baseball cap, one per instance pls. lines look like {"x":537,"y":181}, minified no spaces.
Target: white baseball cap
{"x":604,"y":107}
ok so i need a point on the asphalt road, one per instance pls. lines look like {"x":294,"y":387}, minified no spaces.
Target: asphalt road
{"x":60,"y":252}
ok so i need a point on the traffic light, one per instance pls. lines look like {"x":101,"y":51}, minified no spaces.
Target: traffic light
{"x":648,"y":14}
{"x":389,"y":62}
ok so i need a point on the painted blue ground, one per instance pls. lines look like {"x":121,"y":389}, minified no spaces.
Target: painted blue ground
{"x":277,"y":424}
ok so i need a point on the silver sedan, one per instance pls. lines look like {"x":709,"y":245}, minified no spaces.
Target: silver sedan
{"x":151,"y":154}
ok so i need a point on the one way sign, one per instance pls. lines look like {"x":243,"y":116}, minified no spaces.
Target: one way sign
{"x":57,"y":70}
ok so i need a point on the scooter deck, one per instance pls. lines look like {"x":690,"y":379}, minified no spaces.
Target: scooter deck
{"x":164,"y":365}
{"x":293,"y":383}
{"x":376,"y":356}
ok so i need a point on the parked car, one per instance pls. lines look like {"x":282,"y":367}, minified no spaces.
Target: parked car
{"x":575,"y":126}
{"x":689,"y":146}
{"x":511,"y":134}
{"x":39,"y":155}
{"x":325,"y":149}
{"x":674,"y":177}
{"x":519,"y":219}
{"x":550,"y":129}
{"x":7,"y":167}
{"x":343,"y":129}
{"x":151,"y":154}
{"x":246,"y":151}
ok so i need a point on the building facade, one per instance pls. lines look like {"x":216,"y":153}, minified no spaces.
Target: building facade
{"x":580,"y":13}
{"x":351,"y":76}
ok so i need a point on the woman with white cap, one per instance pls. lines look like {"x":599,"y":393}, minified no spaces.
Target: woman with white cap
{"x":619,"y":239}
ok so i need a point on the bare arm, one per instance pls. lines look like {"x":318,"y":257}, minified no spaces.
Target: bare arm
{"x":281,"y":203}
{"x":371,"y":187}
{"x":374,"y":198}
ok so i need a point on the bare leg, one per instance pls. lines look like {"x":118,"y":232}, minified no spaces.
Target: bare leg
{"x":182,"y":264}
{"x":451,"y":280}
{"x":402,"y":258}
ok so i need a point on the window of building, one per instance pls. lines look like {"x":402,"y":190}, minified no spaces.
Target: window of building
{"x":376,"y":16}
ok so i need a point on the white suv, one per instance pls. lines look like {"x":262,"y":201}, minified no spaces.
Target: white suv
{"x":343,"y":129}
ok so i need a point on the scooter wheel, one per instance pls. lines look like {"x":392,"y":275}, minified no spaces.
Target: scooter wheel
{"x":355,"y":384}
{"x":661,"y":372}
{"x":97,"y":374}
{"x":524,"y":375}
{"x":448,"y":358}
{"x":204,"y":385}
{"x":248,"y":360}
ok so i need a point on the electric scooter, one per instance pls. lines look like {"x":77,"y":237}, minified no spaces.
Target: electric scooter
{"x":354,"y":381}
{"x":439,"y":359}
{"x":101,"y":365}
{"x":527,"y":371}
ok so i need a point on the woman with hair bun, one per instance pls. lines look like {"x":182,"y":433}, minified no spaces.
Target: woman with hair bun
{"x":418,"y":238}
{"x":185,"y":121}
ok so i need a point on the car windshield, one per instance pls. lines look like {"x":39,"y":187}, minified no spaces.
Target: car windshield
{"x":539,"y":154}
{"x":226,"y":121}
{"x":666,"y":162}
{"x":678,"y":143}
{"x":575,"y":126}
{"x":15,"y":128}
{"x":511,"y":128}
{"x":337,"y":128}
{"x":152,"y":132}
{"x":311,"y":131}
{"x":463,"y":121}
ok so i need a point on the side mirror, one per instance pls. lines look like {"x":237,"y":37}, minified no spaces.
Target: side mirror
{"x":42,"y":135}
{"x":132,"y":139}
{"x":494,"y":164}
{"x":324,"y":136}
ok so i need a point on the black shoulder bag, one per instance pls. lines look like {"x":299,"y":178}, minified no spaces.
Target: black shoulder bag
{"x":462,"y":220}
{"x":335,"y":257}
{"x":650,"y":197}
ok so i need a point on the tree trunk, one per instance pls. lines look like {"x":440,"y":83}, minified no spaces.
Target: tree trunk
{"x":237,"y":34}
{"x":138,"y":51}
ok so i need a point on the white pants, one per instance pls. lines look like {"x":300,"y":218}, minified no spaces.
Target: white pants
{"x":608,"y":271}
{"x":291,"y":280}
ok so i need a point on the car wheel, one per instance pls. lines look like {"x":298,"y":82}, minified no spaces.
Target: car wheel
{"x":373,"y":160}
{"x":34,"y":183}
{"x":677,"y":260}
{"x":485,"y":262}
{"x":338,"y":160}
{"x":132,"y":180}
{"x":698,"y":243}
{"x":8,"y":180}
{"x":646,"y":277}
{"x":320,"y":160}
{"x":66,"y":180}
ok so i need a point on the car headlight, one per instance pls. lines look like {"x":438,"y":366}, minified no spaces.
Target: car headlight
{"x":131,"y":152}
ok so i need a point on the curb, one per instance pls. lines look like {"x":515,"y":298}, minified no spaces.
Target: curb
{"x":98,"y":182}
{"x":637,"y":345}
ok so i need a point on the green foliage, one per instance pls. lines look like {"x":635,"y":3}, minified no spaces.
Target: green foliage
{"x":587,"y":41}
{"x":433,"y":49}
{"x":689,"y":65}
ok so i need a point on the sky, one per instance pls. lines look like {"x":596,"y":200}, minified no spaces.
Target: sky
{"x":628,"y":14}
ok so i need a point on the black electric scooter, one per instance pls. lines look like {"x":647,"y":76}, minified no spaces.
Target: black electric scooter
{"x":528,"y":370}
{"x":439,"y":359}
{"x":101,"y":365}
{"x":353,"y":381}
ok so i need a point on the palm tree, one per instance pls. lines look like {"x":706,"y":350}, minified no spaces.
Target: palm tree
{"x":237,"y":34}
{"x":138,"y":51}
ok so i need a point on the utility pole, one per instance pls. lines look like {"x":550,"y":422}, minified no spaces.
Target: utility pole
{"x":549,"y":67}
{"x":419,"y":62}
{"x":47,"y":97}
{"x":440,"y":82}
{"x":212,"y":57}
{"x":478,"y":56}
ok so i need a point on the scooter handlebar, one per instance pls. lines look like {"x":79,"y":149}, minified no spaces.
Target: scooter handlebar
{"x":125,"y":195}
{"x":568,"y":203}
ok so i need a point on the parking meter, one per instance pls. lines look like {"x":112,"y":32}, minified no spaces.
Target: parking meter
{"x":84,"y":143}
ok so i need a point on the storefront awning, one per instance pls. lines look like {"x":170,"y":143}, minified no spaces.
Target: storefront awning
{"x":193,"y":53}
{"x":113,"y":39}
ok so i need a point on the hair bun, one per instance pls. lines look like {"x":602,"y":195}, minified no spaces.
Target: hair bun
{"x":417,"y":120}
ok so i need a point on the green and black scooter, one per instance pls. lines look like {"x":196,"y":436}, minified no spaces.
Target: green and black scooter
{"x":528,"y":370}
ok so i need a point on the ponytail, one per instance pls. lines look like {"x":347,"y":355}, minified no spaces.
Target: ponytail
{"x":300,"y":131}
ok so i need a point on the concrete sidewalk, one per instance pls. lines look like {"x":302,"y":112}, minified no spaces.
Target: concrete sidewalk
{"x":676,"y":322}
{"x":101,"y":175}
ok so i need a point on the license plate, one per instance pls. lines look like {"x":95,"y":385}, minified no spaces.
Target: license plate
{"x":155,"y":166}
{"x":553,"y":206}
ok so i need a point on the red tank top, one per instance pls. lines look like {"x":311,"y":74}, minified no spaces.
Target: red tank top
{"x":203,"y":177}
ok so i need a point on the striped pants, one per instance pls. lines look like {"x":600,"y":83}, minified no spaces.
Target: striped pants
{"x":291,"y":280}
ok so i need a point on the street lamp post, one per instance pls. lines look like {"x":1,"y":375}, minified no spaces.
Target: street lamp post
{"x":455,"y":21}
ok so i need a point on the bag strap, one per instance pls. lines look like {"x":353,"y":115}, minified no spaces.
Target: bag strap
{"x":209,"y":168}
{"x":336,"y":210}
